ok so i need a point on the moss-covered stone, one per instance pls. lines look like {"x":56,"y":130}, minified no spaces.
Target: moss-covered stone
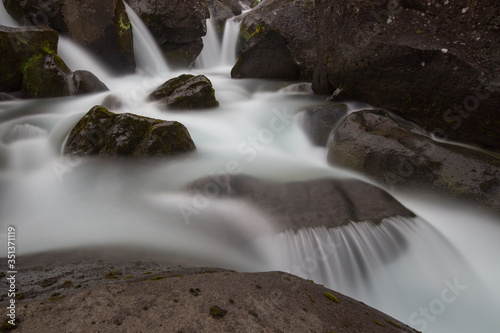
{"x":217,"y":312}
{"x":186,"y":92}
{"x":103,"y":133}
{"x":17,"y":47}
{"x":46,"y":76}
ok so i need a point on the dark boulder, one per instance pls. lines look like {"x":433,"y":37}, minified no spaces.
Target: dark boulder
{"x":106,"y":134}
{"x":436,"y":64}
{"x":186,"y":92}
{"x":17,"y":47}
{"x":392,"y":152}
{"x":46,"y":76}
{"x":177,"y":27}
{"x":100,"y":25}
{"x":86,"y":82}
{"x":295,"y":205}
{"x":281,"y":27}
{"x":318,"y":122}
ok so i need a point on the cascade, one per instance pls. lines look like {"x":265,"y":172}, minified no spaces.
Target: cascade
{"x":398,"y":266}
{"x":5,"y":18}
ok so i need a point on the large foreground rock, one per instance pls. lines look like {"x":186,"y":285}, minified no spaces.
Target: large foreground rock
{"x":279,"y":41}
{"x":17,"y":47}
{"x":67,"y":291}
{"x":376,"y":144}
{"x":177,"y":27}
{"x":294,"y":205}
{"x":103,"y":133}
{"x":100,"y":25}
{"x":186,"y":92}
{"x":436,"y":63}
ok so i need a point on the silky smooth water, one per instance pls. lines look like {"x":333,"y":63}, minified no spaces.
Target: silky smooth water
{"x":404,"y":267}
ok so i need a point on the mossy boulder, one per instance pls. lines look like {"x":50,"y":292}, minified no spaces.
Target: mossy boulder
{"x":177,"y":27}
{"x":435,"y":63}
{"x":278,"y":25}
{"x":394,"y":153}
{"x":318,"y":122}
{"x":100,"y":25}
{"x":186,"y":92}
{"x":106,"y":134}
{"x":48,"y":76}
{"x":17,"y":47}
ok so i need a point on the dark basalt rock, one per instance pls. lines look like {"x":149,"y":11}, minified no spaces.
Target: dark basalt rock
{"x":17,"y":47}
{"x":295,"y":205}
{"x":318,"y":122}
{"x":377,"y":144}
{"x":46,"y":76}
{"x":186,"y":92}
{"x":221,"y":10}
{"x":106,"y":134}
{"x":282,"y":28}
{"x":177,"y":27}
{"x":435,"y":64}
{"x":100,"y":25}
{"x":86,"y":82}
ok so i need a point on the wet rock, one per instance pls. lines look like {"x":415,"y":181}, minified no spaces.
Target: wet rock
{"x":106,"y":134}
{"x":112,"y":102}
{"x":177,"y":27}
{"x":377,"y":144}
{"x":318,"y":122}
{"x":85,"y":82}
{"x":294,"y":205}
{"x":436,"y":64}
{"x":220,"y":11}
{"x":186,"y":92}
{"x":293,"y":23}
{"x":17,"y":47}
{"x":46,"y":76}
{"x":100,"y":25}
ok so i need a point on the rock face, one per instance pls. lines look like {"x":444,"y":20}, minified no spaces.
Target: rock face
{"x":221,"y":10}
{"x":86,"y":82}
{"x":376,"y":144}
{"x":17,"y":47}
{"x":186,"y":92}
{"x":436,"y":64}
{"x":278,"y":40}
{"x":318,"y":122}
{"x":295,"y":205}
{"x":95,"y":292}
{"x":107,"y":134}
{"x":100,"y":25}
{"x":177,"y":27}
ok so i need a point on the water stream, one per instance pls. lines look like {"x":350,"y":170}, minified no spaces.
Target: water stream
{"x":404,"y":267}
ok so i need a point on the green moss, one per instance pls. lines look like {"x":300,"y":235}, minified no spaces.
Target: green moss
{"x":217,"y":312}
{"x":6,"y":327}
{"x":2,"y":274}
{"x":129,"y":277}
{"x":159,"y":277}
{"x":378,"y":323}
{"x":331,"y":297}
{"x":393,"y":324}
{"x":287,"y":278}
{"x":20,"y":296}
{"x":48,"y":282}
{"x":114,"y":275}
{"x":176,"y":300}
{"x":147,"y":273}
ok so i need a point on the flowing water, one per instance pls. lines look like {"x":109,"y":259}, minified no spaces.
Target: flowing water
{"x":437,"y":272}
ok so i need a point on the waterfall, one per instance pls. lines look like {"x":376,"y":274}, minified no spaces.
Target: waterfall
{"x":25,"y":131}
{"x":5,"y":18}
{"x":148,"y":55}
{"x":216,"y":54}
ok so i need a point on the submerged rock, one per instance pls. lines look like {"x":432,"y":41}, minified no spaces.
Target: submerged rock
{"x":295,"y":205}
{"x":318,"y":122}
{"x":435,"y":64}
{"x":177,"y":27}
{"x":103,"y":133}
{"x":100,"y":25}
{"x":86,"y":82}
{"x":278,"y":40}
{"x":375,"y":143}
{"x":17,"y":47}
{"x":186,"y":92}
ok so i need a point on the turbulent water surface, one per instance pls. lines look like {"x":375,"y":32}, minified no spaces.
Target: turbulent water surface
{"x":437,"y":272}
